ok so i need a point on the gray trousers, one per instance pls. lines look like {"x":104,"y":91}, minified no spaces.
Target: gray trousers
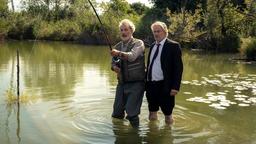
{"x":128,"y":99}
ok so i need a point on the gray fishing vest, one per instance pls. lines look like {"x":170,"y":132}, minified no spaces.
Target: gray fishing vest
{"x":132,"y":71}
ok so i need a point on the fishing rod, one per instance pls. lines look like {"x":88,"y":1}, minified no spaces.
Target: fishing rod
{"x":114,"y":59}
{"x":104,"y":31}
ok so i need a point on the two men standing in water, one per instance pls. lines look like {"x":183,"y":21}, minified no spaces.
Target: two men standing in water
{"x":161,"y":80}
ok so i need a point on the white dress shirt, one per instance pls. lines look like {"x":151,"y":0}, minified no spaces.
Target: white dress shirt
{"x":157,"y":73}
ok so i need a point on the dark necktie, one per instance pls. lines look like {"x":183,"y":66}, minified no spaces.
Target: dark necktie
{"x":151,"y":64}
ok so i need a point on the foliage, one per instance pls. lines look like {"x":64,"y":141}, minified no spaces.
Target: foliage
{"x":20,"y":26}
{"x":223,"y":24}
{"x":177,"y":6}
{"x":233,"y":20}
{"x":191,"y":5}
{"x":248,"y":48}
{"x":249,"y":23}
{"x":54,"y":10}
{"x":228,"y":43}
{"x":120,"y":6}
{"x":185,"y":26}
{"x":3,"y":27}
{"x":3,"y":15}
{"x":60,"y":30}
{"x":143,"y":28}
{"x":111,"y":18}
{"x":207,"y":24}
{"x":139,"y":8}
{"x":114,"y":12}
{"x":3,"y":8}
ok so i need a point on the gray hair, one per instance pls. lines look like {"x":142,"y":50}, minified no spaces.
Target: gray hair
{"x":162,"y":25}
{"x":128,"y":23}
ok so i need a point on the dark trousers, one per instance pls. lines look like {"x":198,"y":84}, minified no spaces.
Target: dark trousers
{"x":158,"y":97}
{"x":128,"y":98}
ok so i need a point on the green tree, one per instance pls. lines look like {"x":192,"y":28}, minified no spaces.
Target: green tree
{"x":3,"y":8}
{"x":143,"y":28}
{"x":113,"y":13}
{"x":184,"y":25}
{"x":37,"y":8}
{"x":176,"y":6}
{"x":223,"y":23}
{"x":121,"y":7}
{"x":249,"y":22}
{"x":3,"y":16}
{"x":49,"y":9}
{"x":139,"y":8}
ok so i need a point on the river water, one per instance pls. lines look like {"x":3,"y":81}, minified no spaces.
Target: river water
{"x":67,"y":92}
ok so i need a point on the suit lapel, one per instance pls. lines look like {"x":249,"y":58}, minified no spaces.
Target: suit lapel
{"x":164,"y":48}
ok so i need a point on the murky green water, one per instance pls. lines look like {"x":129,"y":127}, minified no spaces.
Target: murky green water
{"x":68,"y":92}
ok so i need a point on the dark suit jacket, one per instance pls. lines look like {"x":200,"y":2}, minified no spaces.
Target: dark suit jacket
{"x":172,"y":65}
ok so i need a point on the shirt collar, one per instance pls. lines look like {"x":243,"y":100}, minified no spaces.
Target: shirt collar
{"x":162,"y":42}
{"x":128,"y":41}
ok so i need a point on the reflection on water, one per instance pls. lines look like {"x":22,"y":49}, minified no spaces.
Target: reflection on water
{"x":18,"y":122}
{"x":11,"y":123}
{"x":74,"y":91}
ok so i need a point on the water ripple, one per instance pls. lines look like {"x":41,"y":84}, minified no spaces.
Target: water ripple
{"x":97,"y":123}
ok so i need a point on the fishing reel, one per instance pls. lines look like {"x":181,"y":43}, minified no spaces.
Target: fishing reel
{"x":116,"y":61}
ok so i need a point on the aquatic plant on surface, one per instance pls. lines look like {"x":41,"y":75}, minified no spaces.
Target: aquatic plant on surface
{"x":12,"y":98}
